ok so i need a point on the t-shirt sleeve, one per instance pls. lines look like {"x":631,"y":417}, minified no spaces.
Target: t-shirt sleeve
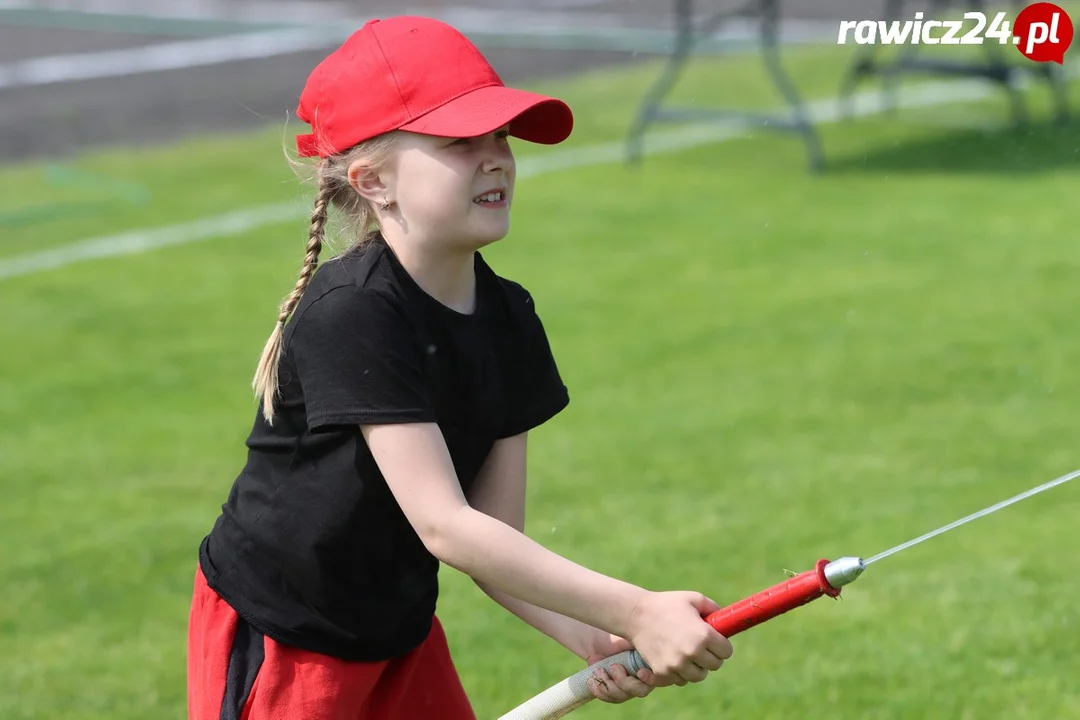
{"x":358,"y":361}
{"x":538,"y":391}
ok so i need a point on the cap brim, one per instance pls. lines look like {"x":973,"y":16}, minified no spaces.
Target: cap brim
{"x":532,"y":117}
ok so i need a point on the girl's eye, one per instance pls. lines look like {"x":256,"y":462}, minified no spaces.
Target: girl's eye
{"x":499,"y":134}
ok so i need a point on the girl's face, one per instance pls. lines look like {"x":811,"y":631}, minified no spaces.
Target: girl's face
{"x":453,"y":191}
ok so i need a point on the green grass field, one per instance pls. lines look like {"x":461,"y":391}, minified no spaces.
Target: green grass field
{"x":766,"y":367}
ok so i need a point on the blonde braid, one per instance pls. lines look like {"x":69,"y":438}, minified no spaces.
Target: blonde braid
{"x":265,"y":382}
{"x":334,"y":188}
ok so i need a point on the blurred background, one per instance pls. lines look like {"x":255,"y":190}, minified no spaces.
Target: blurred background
{"x":810,"y":300}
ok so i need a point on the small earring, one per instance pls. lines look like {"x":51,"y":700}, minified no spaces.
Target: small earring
{"x":385,"y":205}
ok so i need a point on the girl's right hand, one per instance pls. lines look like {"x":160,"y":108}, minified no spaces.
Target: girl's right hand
{"x":669,"y":630}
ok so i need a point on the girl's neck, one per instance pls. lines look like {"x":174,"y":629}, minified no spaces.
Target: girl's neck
{"x":448,"y":275}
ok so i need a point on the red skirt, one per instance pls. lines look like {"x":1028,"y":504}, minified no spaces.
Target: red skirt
{"x":234,"y":672}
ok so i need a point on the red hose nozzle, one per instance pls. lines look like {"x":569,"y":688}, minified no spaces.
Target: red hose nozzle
{"x":825,"y":579}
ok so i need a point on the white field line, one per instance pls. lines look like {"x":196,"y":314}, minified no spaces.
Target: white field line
{"x":163,"y":56}
{"x":136,"y":241}
{"x":565,"y":14}
{"x":248,"y":10}
{"x":665,"y":141}
{"x":563,"y":4}
{"x":529,"y":29}
{"x":255,"y":11}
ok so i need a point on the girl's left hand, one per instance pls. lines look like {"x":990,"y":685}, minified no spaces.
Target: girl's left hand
{"x":617,"y":685}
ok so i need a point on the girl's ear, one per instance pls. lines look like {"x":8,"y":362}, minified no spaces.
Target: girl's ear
{"x":367,"y":182}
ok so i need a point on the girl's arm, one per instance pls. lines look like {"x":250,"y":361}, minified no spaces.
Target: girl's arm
{"x":666,"y":627}
{"x":416,"y":464}
{"x":499,"y":491}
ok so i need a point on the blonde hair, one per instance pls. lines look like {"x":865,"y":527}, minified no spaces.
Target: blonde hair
{"x":331,"y":177}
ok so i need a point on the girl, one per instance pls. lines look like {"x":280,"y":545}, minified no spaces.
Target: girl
{"x":396,"y":394}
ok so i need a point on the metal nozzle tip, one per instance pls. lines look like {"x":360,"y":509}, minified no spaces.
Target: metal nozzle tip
{"x":844,"y":570}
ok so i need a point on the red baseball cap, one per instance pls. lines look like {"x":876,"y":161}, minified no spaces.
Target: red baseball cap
{"x":421,"y":75}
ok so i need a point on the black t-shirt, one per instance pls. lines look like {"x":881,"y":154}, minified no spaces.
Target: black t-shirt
{"x":311,"y":547}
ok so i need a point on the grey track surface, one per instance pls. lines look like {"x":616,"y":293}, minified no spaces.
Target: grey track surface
{"x":54,"y":120}
{"x":18,"y":43}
